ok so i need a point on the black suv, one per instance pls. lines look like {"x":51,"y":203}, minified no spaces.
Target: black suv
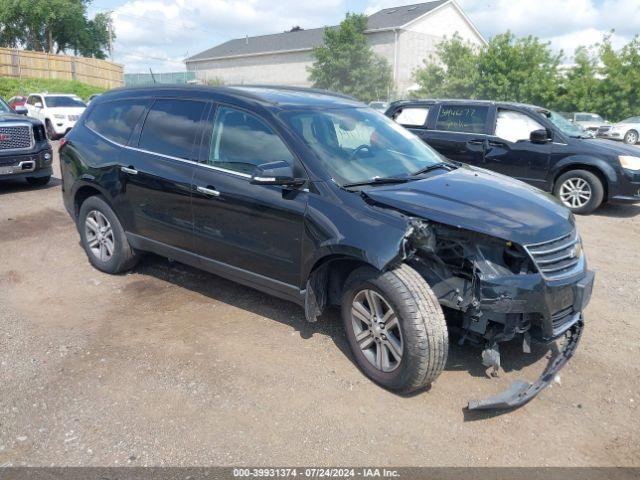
{"x":319,"y":200}
{"x":25,"y":152}
{"x":530,"y":143}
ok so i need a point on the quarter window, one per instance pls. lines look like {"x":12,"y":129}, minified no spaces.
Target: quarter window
{"x":171,"y":127}
{"x":412,"y":116}
{"x":241,"y":141}
{"x":515,"y":126}
{"x":462,"y":118}
{"x":116,"y":120}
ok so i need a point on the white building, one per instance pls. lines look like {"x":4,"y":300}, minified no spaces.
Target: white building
{"x":405,"y":36}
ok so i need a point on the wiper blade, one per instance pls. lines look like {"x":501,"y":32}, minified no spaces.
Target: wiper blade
{"x":435,"y":166}
{"x":378,"y":181}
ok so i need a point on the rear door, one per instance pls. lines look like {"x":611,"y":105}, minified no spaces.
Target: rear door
{"x":157,"y":171}
{"x":256,"y":229}
{"x":511,"y":152}
{"x":458,"y":131}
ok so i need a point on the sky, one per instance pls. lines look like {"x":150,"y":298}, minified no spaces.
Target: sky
{"x":160,"y":34}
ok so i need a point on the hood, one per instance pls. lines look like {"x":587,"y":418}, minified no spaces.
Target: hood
{"x":481,"y":201}
{"x":68,"y":110}
{"x":14,"y":117}
{"x":609,"y":147}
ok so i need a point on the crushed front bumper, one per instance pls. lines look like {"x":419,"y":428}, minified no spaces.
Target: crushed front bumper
{"x":520,"y":392}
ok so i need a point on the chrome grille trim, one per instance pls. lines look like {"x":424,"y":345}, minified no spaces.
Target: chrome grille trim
{"x":20,"y":137}
{"x":558,"y":258}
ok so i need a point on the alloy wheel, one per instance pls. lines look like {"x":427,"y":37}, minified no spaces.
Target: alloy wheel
{"x":575,"y":192}
{"x":377,"y":330}
{"x":631,"y":138}
{"x":99,"y":236}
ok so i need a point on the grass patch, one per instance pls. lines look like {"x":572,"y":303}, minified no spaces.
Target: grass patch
{"x":10,"y":87}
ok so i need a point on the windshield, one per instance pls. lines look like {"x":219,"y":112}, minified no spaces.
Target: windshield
{"x":631,"y":120}
{"x":564,"y":125}
{"x":4,"y":108}
{"x":54,"y":102}
{"x":359,"y":145}
{"x":588,"y":117}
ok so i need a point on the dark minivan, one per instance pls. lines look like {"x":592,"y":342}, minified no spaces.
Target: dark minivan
{"x":317,"y":199}
{"x":530,"y":143}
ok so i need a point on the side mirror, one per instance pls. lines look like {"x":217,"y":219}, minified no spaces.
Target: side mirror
{"x":540,"y":136}
{"x":275,"y":173}
{"x":38,"y":104}
{"x":20,"y":109}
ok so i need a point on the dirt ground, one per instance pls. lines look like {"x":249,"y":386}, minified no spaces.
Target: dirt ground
{"x":172,"y":366}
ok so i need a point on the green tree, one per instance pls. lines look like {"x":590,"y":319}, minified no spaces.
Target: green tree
{"x":580,"y":86}
{"x":347,"y":64}
{"x":508,"y":68}
{"x":452,"y":72}
{"x":618,"y":92}
{"x":518,"y":69}
{"x":54,"y":26}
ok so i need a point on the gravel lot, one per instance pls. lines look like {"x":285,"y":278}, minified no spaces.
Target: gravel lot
{"x":172,"y":366}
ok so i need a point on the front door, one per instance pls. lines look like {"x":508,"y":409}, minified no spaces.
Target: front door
{"x":511,"y":152}
{"x":157,"y":172}
{"x":256,"y":229}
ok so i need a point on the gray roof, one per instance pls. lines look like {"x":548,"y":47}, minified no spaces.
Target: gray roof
{"x":387,"y":18}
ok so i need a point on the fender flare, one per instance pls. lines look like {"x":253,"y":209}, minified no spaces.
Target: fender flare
{"x":578,"y":162}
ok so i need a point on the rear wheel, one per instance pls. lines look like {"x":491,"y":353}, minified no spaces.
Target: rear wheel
{"x":579,"y":190}
{"x":631,"y":137}
{"x":38,"y":181}
{"x":395,"y":327}
{"x":103,"y":238}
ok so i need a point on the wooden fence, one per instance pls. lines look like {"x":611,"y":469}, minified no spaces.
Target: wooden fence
{"x":28,"y":64}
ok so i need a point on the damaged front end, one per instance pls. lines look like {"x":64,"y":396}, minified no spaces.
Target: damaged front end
{"x":493,"y":290}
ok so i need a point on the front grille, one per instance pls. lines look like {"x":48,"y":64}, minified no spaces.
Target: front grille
{"x":602,"y":130}
{"x":16,"y":137}
{"x":73,"y":118}
{"x":557,"y":258}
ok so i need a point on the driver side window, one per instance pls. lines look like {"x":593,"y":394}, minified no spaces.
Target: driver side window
{"x":515,"y":126}
{"x":241,"y":141}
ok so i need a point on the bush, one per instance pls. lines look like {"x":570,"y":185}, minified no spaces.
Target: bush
{"x":10,"y":87}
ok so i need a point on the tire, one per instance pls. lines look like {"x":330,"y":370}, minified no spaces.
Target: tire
{"x":122,"y":256}
{"x":51,"y":133}
{"x":584,"y":181}
{"x":38,"y":181}
{"x":631,"y":137}
{"x":420,"y":328}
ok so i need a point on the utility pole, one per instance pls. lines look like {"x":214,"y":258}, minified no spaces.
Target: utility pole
{"x":110,"y":33}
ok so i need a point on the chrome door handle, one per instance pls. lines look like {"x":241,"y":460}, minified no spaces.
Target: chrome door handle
{"x":208,"y":191}
{"x":130,"y":171}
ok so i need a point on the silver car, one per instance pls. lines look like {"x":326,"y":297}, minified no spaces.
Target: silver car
{"x":628,"y":130}
{"x":589,"y":121}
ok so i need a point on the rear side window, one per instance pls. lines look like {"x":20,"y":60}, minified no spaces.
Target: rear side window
{"x":171,"y":127}
{"x":116,"y":120}
{"x":412,"y":116}
{"x":462,"y":118}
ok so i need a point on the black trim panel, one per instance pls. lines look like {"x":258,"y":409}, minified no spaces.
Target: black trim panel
{"x":239,"y":275}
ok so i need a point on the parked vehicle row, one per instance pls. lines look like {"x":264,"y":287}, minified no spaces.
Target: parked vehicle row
{"x":530,"y":143}
{"x":317,"y":199}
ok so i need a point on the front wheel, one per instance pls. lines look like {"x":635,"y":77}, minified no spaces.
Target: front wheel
{"x":395,"y":327}
{"x":579,"y":190}
{"x":103,"y":238}
{"x":631,"y":137}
